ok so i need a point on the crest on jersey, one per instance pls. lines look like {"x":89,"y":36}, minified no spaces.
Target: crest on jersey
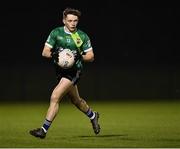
{"x":78,"y":40}
{"x":68,"y":40}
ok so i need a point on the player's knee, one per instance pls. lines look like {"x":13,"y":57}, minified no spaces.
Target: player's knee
{"x":54,"y":98}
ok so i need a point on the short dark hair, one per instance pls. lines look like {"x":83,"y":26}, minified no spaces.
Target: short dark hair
{"x":71,"y":11}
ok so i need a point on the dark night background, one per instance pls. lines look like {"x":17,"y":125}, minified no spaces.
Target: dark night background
{"x":136,"y":47}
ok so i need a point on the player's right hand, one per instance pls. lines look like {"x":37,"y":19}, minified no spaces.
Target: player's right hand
{"x":55,"y":55}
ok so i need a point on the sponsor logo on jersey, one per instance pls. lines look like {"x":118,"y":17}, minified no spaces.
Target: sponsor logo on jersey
{"x":59,"y":37}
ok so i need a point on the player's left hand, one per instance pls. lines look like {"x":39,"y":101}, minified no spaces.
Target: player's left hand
{"x":77,"y":56}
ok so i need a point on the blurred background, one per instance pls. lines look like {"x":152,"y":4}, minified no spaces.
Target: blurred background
{"x":136,"y":46}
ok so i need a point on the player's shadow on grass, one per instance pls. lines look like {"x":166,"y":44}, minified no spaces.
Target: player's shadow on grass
{"x":124,"y":137}
{"x":105,"y":136}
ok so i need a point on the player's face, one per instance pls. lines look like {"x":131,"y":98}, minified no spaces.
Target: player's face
{"x":71,"y":21}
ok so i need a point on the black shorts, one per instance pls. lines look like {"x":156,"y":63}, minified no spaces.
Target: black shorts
{"x":71,"y":74}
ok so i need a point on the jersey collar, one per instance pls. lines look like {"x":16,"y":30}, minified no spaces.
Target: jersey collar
{"x":67,"y":31}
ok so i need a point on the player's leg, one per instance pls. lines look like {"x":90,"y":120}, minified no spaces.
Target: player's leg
{"x":59,"y":91}
{"x":81,"y":104}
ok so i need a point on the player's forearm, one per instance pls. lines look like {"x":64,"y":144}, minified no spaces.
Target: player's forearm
{"x":46,"y":54}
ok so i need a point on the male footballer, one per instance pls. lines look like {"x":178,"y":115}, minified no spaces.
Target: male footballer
{"x":68,"y":37}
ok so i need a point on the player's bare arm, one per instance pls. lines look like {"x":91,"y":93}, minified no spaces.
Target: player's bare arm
{"x":46,"y":52}
{"x":89,"y":56}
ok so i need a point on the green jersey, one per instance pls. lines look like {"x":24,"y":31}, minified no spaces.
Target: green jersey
{"x":79,"y":41}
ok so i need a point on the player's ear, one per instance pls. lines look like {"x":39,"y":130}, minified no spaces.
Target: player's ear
{"x":63,"y":21}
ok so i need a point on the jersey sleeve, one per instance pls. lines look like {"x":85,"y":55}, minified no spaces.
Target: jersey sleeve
{"x":86,"y":44}
{"x":51,"y":40}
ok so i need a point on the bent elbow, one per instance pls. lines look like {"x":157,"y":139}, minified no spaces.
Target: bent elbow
{"x":44,"y":54}
{"x":92,"y":59}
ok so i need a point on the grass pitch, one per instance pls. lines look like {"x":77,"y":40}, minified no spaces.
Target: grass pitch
{"x":124,"y":124}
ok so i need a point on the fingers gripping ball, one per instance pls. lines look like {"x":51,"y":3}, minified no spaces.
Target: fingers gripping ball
{"x":66,"y":59}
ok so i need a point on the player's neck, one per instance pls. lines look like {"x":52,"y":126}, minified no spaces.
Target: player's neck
{"x":68,"y":31}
